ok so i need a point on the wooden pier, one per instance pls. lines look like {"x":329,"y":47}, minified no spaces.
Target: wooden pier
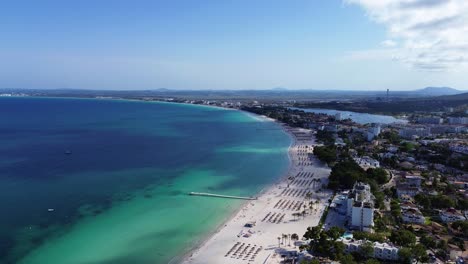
{"x":222,"y":196}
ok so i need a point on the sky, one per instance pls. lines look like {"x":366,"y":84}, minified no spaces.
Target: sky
{"x":242,"y":44}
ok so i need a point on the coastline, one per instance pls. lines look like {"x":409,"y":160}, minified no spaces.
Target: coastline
{"x":217,"y":215}
{"x":203,"y":251}
{"x":198,"y":245}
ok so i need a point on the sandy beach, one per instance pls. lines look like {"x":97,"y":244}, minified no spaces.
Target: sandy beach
{"x":287,"y":207}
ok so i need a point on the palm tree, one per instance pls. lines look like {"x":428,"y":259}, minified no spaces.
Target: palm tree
{"x":294,"y":237}
{"x":289,"y":237}
{"x":279,"y":239}
{"x":285,"y":237}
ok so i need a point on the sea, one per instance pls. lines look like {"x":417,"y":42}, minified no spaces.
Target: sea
{"x":101,"y":181}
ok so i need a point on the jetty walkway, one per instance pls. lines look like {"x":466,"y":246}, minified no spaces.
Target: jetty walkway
{"x":222,"y":196}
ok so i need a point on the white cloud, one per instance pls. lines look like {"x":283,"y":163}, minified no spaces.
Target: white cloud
{"x":388,"y":43}
{"x":433,"y":33}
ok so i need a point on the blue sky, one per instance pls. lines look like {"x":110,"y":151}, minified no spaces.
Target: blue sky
{"x":216,"y":44}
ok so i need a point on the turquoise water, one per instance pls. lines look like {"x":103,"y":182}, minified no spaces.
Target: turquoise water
{"x":120,"y":195}
{"x":361,"y":118}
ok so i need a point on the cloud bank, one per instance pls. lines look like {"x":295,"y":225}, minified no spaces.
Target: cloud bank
{"x":427,"y":34}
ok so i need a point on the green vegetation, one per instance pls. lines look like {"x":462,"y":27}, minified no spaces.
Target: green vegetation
{"x":403,"y":238}
{"x":395,"y":209}
{"x":324,"y":243}
{"x":325,"y":153}
{"x":374,"y":237}
{"x":407,"y":146}
{"x":461,"y":227}
{"x":344,"y":174}
{"x":416,"y":252}
{"x":378,"y":174}
{"x":438,"y":201}
{"x":325,"y":137}
{"x":392,"y":137}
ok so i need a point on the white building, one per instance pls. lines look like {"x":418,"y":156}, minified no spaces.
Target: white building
{"x":451,"y":215}
{"x":411,"y":132}
{"x":383,"y":251}
{"x":360,"y":207}
{"x":430,"y":120}
{"x":338,"y":116}
{"x":366,"y":162}
{"x":412,"y":216}
{"x":459,"y":148}
{"x":373,"y":132}
{"x":407,"y":190}
{"x":458,"y":120}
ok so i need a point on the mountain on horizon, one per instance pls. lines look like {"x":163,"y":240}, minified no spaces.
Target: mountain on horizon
{"x":438,"y":91}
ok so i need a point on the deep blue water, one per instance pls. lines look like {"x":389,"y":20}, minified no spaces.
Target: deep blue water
{"x":119,"y":148}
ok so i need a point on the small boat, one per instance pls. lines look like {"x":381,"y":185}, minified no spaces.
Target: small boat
{"x":50,"y":209}
{"x":68,"y":152}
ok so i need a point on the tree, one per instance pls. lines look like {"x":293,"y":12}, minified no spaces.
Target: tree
{"x":442,"y":201}
{"x":461,"y":227}
{"x":373,"y":237}
{"x":403,"y":238}
{"x":395,"y":209}
{"x":442,"y":254}
{"x":378,"y":174}
{"x":407,"y":147}
{"x":427,"y":241}
{"x":347,"y":259}
{"x":462,"y":204}
{"x":423,"y":200}
{"x":338,"y":249}
{"x":313,"y":233}
{"x":344,"y":174}
{"x":294,"y":238}
{"x":279,"y":240}
{"x":419,"y":253}
{"x":372,"y":261}
{"x":325,"y":153}
{"x":405,"y":255}
{"x":325,"y":137}
{"x":335,"y":232}
{"x":367,"y":250}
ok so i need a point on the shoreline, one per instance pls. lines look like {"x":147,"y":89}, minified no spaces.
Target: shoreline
{"x":198,"y":247}
{"x":202,"y":253}
{"x":199,"y":244}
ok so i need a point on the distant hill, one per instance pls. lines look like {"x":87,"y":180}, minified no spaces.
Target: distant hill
{"x":455,"y":97}
{"x":437,"y":91}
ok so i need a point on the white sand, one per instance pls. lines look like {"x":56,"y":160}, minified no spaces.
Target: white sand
{"x":264,"y":235}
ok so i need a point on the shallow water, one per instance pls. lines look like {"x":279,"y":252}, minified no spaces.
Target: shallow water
{"x":121,"y":195}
